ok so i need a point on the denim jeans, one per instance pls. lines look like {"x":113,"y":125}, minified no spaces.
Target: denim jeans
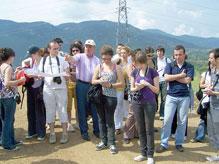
{"x":7,"y":112}
{"x":83,"y":106}
{"x":181,"y":104}
{"x":106,"y":120}
{"x":201,"y":131}
{"x":144,"y":116}
{"x":163,"y":94}
{"x":36,"y":113}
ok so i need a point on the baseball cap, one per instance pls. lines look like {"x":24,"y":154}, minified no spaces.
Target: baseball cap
{"x":33,"y":50}
{"x":90,"y":42}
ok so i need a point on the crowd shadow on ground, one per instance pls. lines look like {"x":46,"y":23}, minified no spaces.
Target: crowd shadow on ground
{"x":194,"y":152}
{"x":53,"y":161}
{"x":34,"y":148}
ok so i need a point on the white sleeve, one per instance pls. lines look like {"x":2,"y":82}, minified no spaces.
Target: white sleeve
{"x":65,"y":64}
{"x":203,"y":75}
{"x":40,"y":66}
{"x":169,"y":60}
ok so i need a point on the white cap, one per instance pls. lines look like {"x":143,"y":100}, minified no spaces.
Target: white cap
{"x":90,"y":42}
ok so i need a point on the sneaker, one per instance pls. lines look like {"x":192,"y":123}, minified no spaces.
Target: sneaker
{"x":150,"y":161}
{"x":90,"y":121}
{"x":194,"y":140}
{"x":180,"y":148}
{"x":86,"y":137}
{"x":30,"y":136}
{"x":160,"y":149}
{"x":40,"y":138}
{"x":118,"y":131}
{"x":18,"y":143}
{"x":16,"y":148}
{"x":64,"y":138}
{"x":185,"y":138}
{"x":161,"y":118}
{"x":101,"y":146}
{"x":52,"y":138}
{"x":212,"y":158}
{"x":113,"y":149}
{"x":70,"y":128}
{"x":126,"y":140}
{"x":173,"y":136}
{"x":140,"y":158}
{"x":47,"y":127}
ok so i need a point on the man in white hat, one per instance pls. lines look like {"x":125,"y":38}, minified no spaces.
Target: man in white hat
{"x":85,"y":64}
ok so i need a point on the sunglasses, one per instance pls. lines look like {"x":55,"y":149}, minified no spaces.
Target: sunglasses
{"x":75,"y":50}
{"x":150,"y":56}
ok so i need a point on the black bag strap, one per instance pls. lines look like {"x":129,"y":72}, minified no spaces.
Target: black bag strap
{"x":22,"y":99}
{"x":216,"y":81}
{"x":44,"y":61}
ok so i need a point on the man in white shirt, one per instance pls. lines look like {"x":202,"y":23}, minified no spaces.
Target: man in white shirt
{"x":160,"y":62}
{"x":55,"y":91}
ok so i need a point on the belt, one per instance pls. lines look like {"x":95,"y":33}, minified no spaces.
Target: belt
{"x":85,"y":82}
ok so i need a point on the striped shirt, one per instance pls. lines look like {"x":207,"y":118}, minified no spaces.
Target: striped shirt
{"x":85,"y":66}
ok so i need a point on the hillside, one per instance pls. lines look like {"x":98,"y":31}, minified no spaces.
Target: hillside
{"x":20,"y":36}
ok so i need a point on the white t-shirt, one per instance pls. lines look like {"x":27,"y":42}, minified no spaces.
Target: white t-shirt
{"x":34,"y":68}
{"x":161,"y":64}
{"x":53,"y":69}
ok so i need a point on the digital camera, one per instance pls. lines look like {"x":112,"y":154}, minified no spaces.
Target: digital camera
{"x":17,"y":98}
{"x":57,"y":80}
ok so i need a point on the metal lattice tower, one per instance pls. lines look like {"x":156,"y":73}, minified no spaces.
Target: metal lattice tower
{"x":122,"y":25}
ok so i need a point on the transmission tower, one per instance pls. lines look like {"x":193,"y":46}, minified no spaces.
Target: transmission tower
{"x":122,"y":35}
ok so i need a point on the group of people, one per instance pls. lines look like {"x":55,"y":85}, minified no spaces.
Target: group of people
{"x":131,"y":83}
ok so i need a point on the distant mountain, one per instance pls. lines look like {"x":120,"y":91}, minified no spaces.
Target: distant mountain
{"x":20,"y":36}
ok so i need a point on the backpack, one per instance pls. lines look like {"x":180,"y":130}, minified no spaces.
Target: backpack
{"x":154,"y":60}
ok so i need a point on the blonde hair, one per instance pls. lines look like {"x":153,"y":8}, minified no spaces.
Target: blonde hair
{"x":127,"y":49}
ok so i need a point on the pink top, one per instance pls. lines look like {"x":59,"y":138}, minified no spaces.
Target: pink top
{"x":85,"y":66}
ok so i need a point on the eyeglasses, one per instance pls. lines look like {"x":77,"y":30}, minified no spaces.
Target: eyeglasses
{"x":75,"y":50}
{"x":106,"y":59}
{"x":55,"y":48}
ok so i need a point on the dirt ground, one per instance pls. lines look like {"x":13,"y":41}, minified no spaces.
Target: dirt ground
{"x":77,"y":151}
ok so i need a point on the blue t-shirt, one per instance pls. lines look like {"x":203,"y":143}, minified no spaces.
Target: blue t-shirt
{"x":175,"y":88}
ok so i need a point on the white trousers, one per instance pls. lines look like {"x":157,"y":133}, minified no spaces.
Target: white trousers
{"x":119,"y":112}
{"x":55,"y":101}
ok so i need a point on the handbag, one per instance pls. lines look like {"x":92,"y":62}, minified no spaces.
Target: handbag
{"x":94,"y":93}
{"x":199,"y":94}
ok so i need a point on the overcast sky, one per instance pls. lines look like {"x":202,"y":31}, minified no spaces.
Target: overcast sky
{"x":178,"y":17}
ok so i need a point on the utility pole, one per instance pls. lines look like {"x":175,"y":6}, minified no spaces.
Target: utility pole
{"x":122,"y":35}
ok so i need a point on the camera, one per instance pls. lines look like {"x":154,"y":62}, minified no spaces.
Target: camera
{"x":57,"y":80}
{"x":17,"y":98}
